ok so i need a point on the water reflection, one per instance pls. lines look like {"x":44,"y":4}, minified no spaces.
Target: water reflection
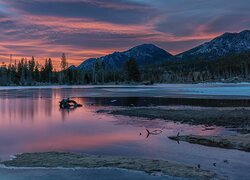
{"x":34,"y":122}
{"x":31,"y":105}
{"x":42,"y":105}
{"x":25,"y":109}
{"x":31,"y":120}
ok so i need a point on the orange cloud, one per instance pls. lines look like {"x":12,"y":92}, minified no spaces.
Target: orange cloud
{"x":45,"y":47}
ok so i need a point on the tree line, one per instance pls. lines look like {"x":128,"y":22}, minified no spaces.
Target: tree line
{"x":231,"y":68}
{"x":31,"y":72}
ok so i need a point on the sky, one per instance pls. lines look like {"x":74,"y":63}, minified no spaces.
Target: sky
{"x":92,"y":28}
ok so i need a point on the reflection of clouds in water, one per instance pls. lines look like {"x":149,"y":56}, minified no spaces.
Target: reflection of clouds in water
{"x":31,"y":104}
{"x":169,"y":128}
{"x":31,"y":120}
{"x":139,"y":122}
{"x":65,"y":113}
{"x":80,"y":130}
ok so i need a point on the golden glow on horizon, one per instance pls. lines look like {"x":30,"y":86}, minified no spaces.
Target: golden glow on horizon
{"x":84,"y":29}
{"x":42,"y":48}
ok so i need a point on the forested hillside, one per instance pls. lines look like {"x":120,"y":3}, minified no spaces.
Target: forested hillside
{"x":223,"y":59}
{"x":232,"y":68}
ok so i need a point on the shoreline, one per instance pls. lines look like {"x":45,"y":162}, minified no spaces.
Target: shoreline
{"x":187,"y":91}
{"x":72,"y":160}
{"x":229,"y":118}
{"x":239,"y":142}
{"x":131,"y":83}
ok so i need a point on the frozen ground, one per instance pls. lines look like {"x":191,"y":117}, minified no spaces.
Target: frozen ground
{"x":76,"y":174}
{"x":215,"y":90}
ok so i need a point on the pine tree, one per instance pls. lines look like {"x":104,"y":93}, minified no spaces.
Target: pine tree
{"x":64,"y":74}
{"x":131,"y":70}
{"x":3,"y":75}
{"x":49,"y":69}
{"x":37,"y":72}
{"x":64,"y":63}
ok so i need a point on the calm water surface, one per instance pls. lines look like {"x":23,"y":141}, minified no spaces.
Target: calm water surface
{"x":31,"y":121}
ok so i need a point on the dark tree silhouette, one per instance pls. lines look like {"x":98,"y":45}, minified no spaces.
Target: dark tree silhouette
{"x":131,"y":70}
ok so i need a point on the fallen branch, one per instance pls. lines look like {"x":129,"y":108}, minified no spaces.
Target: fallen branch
{"x":154,"y":132}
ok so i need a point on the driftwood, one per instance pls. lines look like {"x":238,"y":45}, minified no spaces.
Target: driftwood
{"x":69,"y":104}
{"x":154,"y":132}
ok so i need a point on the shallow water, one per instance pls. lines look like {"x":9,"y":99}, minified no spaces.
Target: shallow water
{"x":31,"y":121}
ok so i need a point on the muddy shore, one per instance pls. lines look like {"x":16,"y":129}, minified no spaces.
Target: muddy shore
{"x":240,"y":142}
{"x":70,"y":160}
{"x":233,"y":118}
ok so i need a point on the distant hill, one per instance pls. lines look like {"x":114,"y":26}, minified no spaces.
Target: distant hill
{"x":228,"y":43}
{"x":146,"y":54}
{"x":223,"y":59}
{"x":149,"y":54}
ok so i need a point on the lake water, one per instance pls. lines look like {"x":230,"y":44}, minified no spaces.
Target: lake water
{"x":31,"y":121}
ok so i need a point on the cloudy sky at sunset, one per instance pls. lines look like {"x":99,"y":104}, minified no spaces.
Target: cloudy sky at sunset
{"x":92,"y":28}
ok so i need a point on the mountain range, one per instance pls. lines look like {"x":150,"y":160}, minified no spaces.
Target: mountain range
{"x":146,"y":54}
{"x":228,"y":43}
{"x":149,"y":54}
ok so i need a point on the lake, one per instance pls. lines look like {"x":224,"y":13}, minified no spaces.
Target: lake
{"x":31,"y":121}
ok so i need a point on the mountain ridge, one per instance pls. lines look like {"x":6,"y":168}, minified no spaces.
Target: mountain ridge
{"x":150,"y":54}
{"x":145,"y":54}
{"x":225,"y":44}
